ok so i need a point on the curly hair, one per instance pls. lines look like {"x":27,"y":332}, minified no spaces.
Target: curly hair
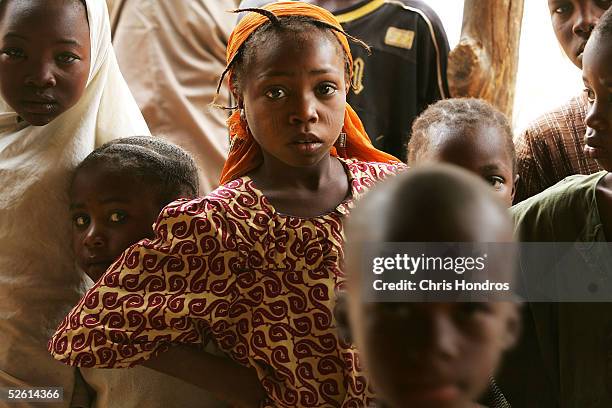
{"x":164,"y":166}
{"x":457,"y":113}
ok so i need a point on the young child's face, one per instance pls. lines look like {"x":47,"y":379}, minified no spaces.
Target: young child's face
{"x":110,"y":211}
{"x":44,"y":57}
{"x":597,"y":76}
{"x":482,"y":150}
{"x":573,"y":21}
{"x":294,"y":97}
{"x":434,"y":355}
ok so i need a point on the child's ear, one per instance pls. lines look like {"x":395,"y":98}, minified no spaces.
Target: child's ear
{"x":237,"y":95}
{"x":516,"y":179}
{"x":513,"y":328}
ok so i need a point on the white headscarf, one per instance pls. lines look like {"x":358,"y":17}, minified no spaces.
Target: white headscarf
{"x":38,"y":281}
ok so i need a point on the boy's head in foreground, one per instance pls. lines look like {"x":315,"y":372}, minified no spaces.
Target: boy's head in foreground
{"x":597,"y":77}
{"x":44,"y":56}
{"x":469,"y":133}
{"x":118,"y":191}
{"x":429,"y":354}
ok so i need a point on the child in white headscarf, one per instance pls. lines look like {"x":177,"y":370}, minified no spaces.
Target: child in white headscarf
{"x":61,"y":94}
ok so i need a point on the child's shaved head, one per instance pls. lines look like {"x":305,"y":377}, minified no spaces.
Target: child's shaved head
{"x":435,"y":354}
{"x":439,"y":203}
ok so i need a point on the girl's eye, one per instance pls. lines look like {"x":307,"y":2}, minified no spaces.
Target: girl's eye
{"x":590,"y":95}
{"x":496,"y":181}
{"x":13,"y":53}
{"x":117,"y":216}
{"x":276,"y":93}
{"x":67,"y":58}
{"x":80,"y":221}
{"x":327,"y":89}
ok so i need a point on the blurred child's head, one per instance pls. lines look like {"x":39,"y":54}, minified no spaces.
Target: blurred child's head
{"x":597,"y":76}
{"x":429,"y":354}
{"x":469,"y":133}
{"x":117,"y":193}
{"x":44,"y":56}
{"x":573,"y":21}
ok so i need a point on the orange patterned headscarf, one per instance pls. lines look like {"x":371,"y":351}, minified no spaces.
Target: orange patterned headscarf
{"x":245,"y":154}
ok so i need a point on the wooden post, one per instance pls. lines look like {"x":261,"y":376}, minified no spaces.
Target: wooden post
{"x":485,"y":62}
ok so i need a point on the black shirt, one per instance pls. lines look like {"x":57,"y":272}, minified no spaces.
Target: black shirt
{"x":405,"y":72}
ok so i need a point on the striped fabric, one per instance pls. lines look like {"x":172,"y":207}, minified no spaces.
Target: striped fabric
{"x":552,"y":148}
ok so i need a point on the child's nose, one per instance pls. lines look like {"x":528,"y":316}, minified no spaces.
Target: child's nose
{"x":41,"y":76}
{"x":596,"y":118}
{"x":586,"y":21}
{"x":444,"y":337}
{"x":304,"y":110}
{"x":94,"y":238}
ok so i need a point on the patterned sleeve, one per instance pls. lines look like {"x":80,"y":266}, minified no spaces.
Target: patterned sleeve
{"x":155,"y":294}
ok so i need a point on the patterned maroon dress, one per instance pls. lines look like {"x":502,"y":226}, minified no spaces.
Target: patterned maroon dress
{"x":231,"y":269}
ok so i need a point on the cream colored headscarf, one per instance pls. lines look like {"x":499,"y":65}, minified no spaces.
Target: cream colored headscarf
{"x":38,"y":282}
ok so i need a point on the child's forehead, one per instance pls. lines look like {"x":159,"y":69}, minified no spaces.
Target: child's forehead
{"x":105,"y":174}
{"x":16,"y":10}
{"x":291,"y":44}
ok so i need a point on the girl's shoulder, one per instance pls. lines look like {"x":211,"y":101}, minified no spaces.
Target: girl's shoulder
{"x":233,"y":199}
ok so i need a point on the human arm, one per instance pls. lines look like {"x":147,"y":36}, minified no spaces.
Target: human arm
{"x":225,"y":379}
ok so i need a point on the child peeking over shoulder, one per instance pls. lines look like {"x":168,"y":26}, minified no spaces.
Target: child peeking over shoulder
{"x":441,"y":353}
{"x":116,"y":195}
{"x":470,"y":133}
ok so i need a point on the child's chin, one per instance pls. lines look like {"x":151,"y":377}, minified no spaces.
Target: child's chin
{"x":449,"y":396}
{"x":38,"y":120}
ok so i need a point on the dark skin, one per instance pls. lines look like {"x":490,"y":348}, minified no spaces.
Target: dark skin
{"x":434,"y":354}
{"x":226,"y":380}
{"x":597,"y":76}
{"x":111,"y":210}
{"x":294,"y":104}
{"x":43,"y":66}
{"x":573,"y":21}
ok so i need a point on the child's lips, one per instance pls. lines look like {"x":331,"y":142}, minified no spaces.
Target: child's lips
{"x":592,"y":149}
{"x":39,"y":107}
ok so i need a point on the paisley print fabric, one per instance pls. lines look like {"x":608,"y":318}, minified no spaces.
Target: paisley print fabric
{"x":231,"y":269}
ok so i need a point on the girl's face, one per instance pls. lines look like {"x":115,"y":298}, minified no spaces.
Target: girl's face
{"x":597,"y":76}
{"x":294,"y":97}
{"x":44,"y":57}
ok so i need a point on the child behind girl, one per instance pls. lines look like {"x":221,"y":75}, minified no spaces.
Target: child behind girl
{"x":116,"y":195}
{"x":471,"y":134}
{"x":434,"y":354}
{"x":61,"y":95}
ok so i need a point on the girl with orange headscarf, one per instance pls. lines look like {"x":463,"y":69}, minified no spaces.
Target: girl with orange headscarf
{"x":255,"y":266}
